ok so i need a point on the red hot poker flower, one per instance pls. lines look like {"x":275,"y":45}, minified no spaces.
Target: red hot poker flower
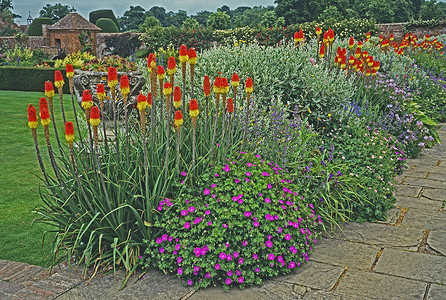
{"x":177,"y":97}
{"x":192,"y":56}
{"x":43,"y":110}
{"x":224,"y":85}
{"x":32,"y":116}
{"x":69,"y":132}
{"x":249,"y":85}
{"x":351,"y":43}
{"x":87,"y":101}
{"x":167,"y":89}
{"x":318,"y":31}
{"x":183,"y":54}
{"x":149,"y":100}
{"x":171,"y":65}
{"x":178,"y":119}
{"x":235,"y":80}
{"x":230,"y":106}
{"x":125,"y":87}
{"x":193,"y":108}
{"x":95,"y":117}
{"x":58,"y":79}
{"x":141,"y":102}
{"x":100,"y":91}
{"x":69,"y":70}
{"x":49,"y":89}
{"x":206,"y":86}
{"x":112,"y":77}
{"x":160,"y":72}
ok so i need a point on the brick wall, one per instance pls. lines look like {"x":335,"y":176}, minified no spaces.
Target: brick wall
{"x":397,"y":30}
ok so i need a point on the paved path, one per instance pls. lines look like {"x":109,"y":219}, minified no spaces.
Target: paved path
{"x":402,"y":258}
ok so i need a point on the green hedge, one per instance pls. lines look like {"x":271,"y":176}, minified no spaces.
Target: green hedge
{"x":103,"y":13}
{"x":107,"y":25}
{"x":35,"y":29}
{"x":29,"y":79}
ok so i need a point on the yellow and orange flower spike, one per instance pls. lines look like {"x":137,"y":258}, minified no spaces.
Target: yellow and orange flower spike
{"x":100,"y":91}
{"x":183,"y":54}
{"x":249,"y":85}
{"x":95,"y":117}
{"x":49,"y":89}
{"x":44,"y":113}
{"x":149,"y":100}
{"x":367,"y":37}
{"x":351,"y":43}
{"x":325,"y":38}
{"x":177,"y":97}
{"x":373,"y":72}
{"x":160,"y":73}
{"x":112,"y":77}
{"x":87,"y":100}
{"x":69,"y":133}
{"x":351,"y":60}
{"x":193,"y":108}
{"x":69,"y":70}
{"x":171,"y":66}
{"x":178,"y":119}
{"x":368,"y":72}
{"x":318,"y":31}
{"x":217,"y":85}
{"x":151,"y":62}
{"x":32,"y":117}
{"x":343,"y":62}
{"x":167,"y":89}
{"x":359,"y":45}
{"x":125,"y":87}
{"x":235,"y":80}
{"x":376,"y":65}
{"x":358,"y":52}
{"x":141,"y":102}
{"x":322,"y":51}
{"x":381,"y":38}
{"x":330,"y":36}
{"x":427,"y":37}
{"x":391,"y":38}
{"x":192,"y":56}
{"x":58,"y":79}
{"x":230,"y":106}
{"x":206,"y":86}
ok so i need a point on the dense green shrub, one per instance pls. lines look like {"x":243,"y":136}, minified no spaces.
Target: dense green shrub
{"x":107,"y":25}
{"x":95,"y":15}
{"x":35,"y":28}
{"x":27,"y":78}
{"x":243,"y":222}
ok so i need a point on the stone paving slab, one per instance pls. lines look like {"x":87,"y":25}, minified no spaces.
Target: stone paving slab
{"x":436,"y":176}
{"x":436,"y":241}
{"x":155,"y":285}
{"x":345,"y":254}
{"x":414,"y":174}
{"x":408,"y":191}
{"x":436,"y":292}
{"x":434,"y":194}
{"x":413,"y":265}
{"x":422,"y":161}
{"x":425,"y":182}
{"x":433,"y":169}
{"x":360,"y":284}
{"x":269,"y":290}
{"x":433,"y":220}
{"x":380,"y":235}
{"x":418,"y":203}
{"x":322,"y":295}
{"x":314,"y":275}
{"x":443,"y":163}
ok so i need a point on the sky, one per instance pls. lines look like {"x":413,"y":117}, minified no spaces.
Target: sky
{"x":22,"y":7}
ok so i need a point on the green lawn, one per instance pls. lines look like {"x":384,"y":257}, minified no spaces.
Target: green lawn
{"x":19,"y":176}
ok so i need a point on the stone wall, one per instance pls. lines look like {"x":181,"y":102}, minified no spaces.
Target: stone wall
{"x":102,"y":49}
{"x":398,"y":30}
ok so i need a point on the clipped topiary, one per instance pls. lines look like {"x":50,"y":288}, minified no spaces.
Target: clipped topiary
{"x":248,"y":222}
{"x":94,"y":16}
{"x":35,"y":28}
{"x":107,"y":25}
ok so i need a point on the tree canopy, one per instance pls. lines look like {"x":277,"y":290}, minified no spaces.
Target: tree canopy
{"x":55,"y":12}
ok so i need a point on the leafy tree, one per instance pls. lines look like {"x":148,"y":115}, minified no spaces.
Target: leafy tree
{"x":381,"y":11}
{"x":299,"y":11}
{"x":269,"y":19}
{"x":331,"y":12}
{"x":219,"y":20}
{"x":402,"y":10}
{"x":416,"y":7}
{"x":159,"y":13}
{"x":55,"y":12}
{"x":6,"y":9}
{"x":430,"y":10}
{"x":280,"y":22}
{"x":132,"y":18}
{"x":190,"y":23}
{"x":202,"y":17}
{"x":149,"y":22}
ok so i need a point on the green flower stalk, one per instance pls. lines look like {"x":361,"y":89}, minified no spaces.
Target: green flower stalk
{"x":49,"y":92}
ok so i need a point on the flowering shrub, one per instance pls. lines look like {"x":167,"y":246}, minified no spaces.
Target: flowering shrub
{"x":243,"y":222}
{"x":102,"y":64}
{"x":76,"y":59}
{"x":374,"y":157}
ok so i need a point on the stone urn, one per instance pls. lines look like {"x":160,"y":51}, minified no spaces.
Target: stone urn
{"x":88,"y":80}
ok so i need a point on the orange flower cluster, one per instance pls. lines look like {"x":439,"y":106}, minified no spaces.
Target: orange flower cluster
{"x":69,"y":132}
{"x":178,"y":119}
{"x":299,"y":37}
{"x":87,"y":100}
{"x":183,"y":54}
{"x":192,"y":56}
{"x":235,"y":80}
{"x":206,"y":86}
{"x":167,"y":89}
{"x":160,"y":73}
{"x":171,"y":66}
{"x":248,"y":85}
{"x":100,"y":91}
{"x":151,"y":62}
{"x":230,"y":106}
{"x":69,"y":70}
{"x":112,"y":77}
{"x":193,"y":108}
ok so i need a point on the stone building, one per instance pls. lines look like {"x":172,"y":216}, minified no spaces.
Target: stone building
{"x":63,"y":36}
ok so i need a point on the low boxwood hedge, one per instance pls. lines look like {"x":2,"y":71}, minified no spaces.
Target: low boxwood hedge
{"x":29,"y":79}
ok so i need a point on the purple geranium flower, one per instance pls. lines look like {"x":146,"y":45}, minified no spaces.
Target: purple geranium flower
{"x":287,"y":236}
{"x":247,"y":214}
{"x":180,"y":271}
{"x":187,"y":225}
{"x":217,"y":266}
{"x":228,"y":281}
{"x":271,"y":256}
{"x":179,"y":260}
{"x":268,"y":244}
{"x":206,"y":191}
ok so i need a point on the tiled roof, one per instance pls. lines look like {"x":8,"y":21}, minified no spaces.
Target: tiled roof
{"x":73,"y":21}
